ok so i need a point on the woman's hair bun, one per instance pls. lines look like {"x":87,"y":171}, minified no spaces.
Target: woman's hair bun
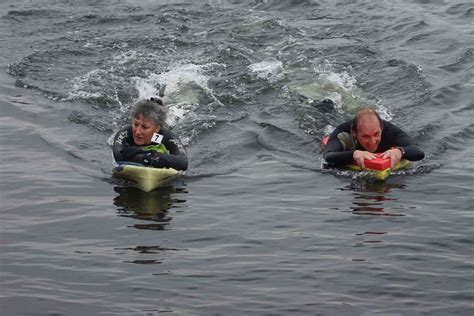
{"x":157,"y":100}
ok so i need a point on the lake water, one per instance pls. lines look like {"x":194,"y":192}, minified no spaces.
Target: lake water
{"x":257,"y":226}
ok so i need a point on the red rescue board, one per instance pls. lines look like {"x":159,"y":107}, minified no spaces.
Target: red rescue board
{"x":378,"y":163}
{"x":379,"y":167}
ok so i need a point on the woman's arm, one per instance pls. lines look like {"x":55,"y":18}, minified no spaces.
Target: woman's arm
{"x":177,"y":157}
{"x":125,"y":150}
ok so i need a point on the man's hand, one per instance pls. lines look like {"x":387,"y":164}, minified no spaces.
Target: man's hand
{"x":360,"y":156}
{"x":395,"y":154}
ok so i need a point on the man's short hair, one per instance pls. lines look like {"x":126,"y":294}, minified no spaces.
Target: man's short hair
{"x":363,"y":112}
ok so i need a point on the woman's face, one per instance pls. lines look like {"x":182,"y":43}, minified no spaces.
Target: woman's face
{"x":143,"y":129}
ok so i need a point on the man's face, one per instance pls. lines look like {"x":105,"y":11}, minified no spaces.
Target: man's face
{"x":369,"y":133}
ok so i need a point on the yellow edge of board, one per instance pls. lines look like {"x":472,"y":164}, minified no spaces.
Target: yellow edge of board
{"x":146,"y":178}
{"x":381,"y":174}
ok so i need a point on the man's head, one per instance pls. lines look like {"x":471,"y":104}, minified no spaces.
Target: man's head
{"x":367,"y":128}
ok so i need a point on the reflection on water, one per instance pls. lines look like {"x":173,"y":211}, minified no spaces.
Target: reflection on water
{"x":149,"y":206}
{"x":152,"y":207}
{"x":370,"y":196}
{"x":371,"y":185}
{"x":147,"y":249}
{"x":368,"y":237}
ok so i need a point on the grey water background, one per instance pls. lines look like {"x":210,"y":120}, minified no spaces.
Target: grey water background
{"x":257,"y":226}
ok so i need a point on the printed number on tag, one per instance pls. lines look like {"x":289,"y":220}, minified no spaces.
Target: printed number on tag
{"x":157,"y":138}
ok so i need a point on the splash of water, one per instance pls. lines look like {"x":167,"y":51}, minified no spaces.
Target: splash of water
{"x":269,"y":69}
{"x":186,"y":86}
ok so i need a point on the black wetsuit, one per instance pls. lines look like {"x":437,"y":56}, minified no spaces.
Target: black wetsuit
{"x":125,"y":149}
{"x":337,"y":153}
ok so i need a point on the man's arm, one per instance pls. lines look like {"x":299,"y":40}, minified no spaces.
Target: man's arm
{"x":336,"y":153}
{"x":397,"y":139}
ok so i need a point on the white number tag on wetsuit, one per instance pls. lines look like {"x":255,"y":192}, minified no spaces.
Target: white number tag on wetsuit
{"x":157,"y":138}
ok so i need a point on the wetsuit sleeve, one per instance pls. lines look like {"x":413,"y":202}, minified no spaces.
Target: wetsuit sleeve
{"x":124,"y":149}
{"x":177,"y":157}
{"x":398,"y":138}
{"x":334,"y":152}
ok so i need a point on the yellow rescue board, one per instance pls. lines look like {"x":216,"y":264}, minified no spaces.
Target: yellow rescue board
{"x":147,"y":178}
{"x":381,"y":174}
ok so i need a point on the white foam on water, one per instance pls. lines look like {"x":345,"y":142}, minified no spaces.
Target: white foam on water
{"x":91,"y":86}
{"x":384,"y":112}
{"x":341,"y":87}
{"x":184,"y":85}
{"x":342,"y":79}
{"x":269,"y":69}
{"x":338,"y":85}
{"x":125,"y":57}
{"x":100,"y":83}
{"x":80,"y":85}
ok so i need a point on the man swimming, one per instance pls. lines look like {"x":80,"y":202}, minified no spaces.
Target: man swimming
{"x":359,"y":139}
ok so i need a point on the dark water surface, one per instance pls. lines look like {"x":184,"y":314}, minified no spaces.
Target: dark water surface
{"x":256,"y":227}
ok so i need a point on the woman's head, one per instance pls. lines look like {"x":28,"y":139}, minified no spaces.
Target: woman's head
{"x":148,"y":117}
